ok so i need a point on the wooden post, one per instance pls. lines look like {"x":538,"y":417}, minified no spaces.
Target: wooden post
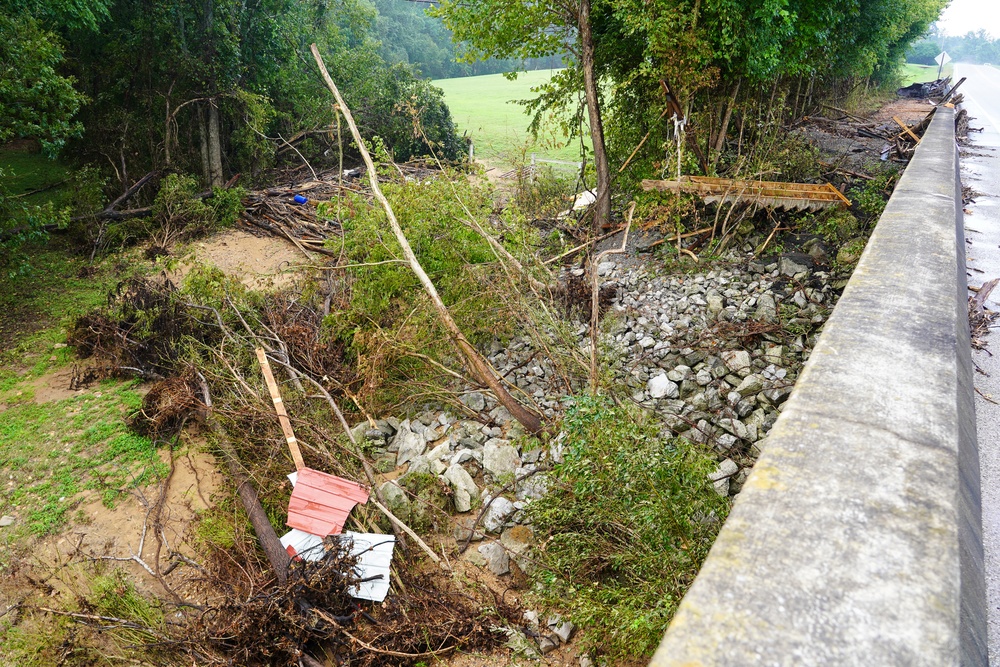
{"x":279,"y":407}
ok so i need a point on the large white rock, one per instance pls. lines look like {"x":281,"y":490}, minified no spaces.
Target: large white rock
{"x":463,"y":486}
{"x":409,"y":445}
{"x":496,"y":516}
{"x":660,"y":386}
{"x":440,"y":452}
{"x":500,"y":459}
{"x":766,"y":308}
{"x":736,"y":360}
{"x":751,"y":385}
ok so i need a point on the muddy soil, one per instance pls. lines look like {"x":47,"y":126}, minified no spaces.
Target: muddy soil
{"x":844,"y":148}
{"x":259,"y":262}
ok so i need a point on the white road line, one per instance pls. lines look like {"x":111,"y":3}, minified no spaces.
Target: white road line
{"x":982,"y":113}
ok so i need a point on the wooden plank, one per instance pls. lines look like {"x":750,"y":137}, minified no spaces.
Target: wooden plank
{"x":279,"y":408}
{"x":906,"y":129}
{"x":834,"y":190}
{"x":766,"y":193}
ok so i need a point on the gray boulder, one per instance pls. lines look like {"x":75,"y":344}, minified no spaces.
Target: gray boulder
{"x":500,"y":510}
{"x":496,"y":557}
{"x":660,"y":386}
{"x":463,"y":486}
{"x":408,"y":445}
{"x":500,"y":459}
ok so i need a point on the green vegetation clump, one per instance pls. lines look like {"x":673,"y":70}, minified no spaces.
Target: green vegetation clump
{"x":179,"y":213}
{"x":387,"y":321}
{"x":872,"y":197}
{"x":449,"y":250}
{"x":36,"y":100}
{"x":836,"y":225}
{"x":114,"y":594}
{"x":628,"y":521}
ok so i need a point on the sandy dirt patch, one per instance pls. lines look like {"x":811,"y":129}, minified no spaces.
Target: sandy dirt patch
{"x":54,"y":386}
{"x":260,"y":263}
{"x":114,"y":535}
{"x":908,"y":110}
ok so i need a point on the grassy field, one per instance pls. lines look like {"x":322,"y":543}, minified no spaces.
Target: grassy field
{"x":923,"y":73}
{"x":26,"y":172}
{"x":485,"y":107}
{"x":66,"y":446}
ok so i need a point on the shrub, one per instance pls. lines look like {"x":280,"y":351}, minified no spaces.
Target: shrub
{"x":872,"y":197}
{"x":180,"y":214}
{"x":628,"y":522}
{"x":836,"y":225}
{"x":385,"y":314}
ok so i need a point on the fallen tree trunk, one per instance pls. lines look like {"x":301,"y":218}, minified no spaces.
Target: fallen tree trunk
{"x":266,"y":537}
{"x":478,"y":366}
{"x":111,"y":214}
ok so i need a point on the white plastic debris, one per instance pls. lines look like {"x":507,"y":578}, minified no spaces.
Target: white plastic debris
{"x":583,"y":200}
{"x":304,"y":545}
{"x":374,"y":554}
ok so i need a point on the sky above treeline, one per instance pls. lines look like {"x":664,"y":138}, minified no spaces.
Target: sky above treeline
{"x":963,"y":16}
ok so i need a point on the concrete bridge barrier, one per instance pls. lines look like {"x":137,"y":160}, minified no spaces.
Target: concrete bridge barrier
{"x":857,"y":538}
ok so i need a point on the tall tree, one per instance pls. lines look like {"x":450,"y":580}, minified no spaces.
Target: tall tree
{"x":210,"y":85}
{"x":536,"y":29}
{"x":37,"y":100}
{"x":711,"y":52}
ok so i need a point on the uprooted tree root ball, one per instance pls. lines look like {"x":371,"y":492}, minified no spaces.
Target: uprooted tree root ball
{"x":313,"y":615}
{"x":139,"y":331}
{"x":167,"y":405}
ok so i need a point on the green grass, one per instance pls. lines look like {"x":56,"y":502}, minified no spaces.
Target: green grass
{"x":54,"y":452}
{"x":39,"y":304}
{"x":25,"y":172}
{"x":924,"y":73}
{"x":485,"y":107}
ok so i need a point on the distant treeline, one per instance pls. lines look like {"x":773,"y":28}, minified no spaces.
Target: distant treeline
{"x":409,"y":35}
{"x":972,"y":47}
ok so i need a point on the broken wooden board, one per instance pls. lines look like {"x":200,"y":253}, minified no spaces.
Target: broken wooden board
{"x":770,"y":194}
{"x":906,"y":129}
{"x":320,"y":502}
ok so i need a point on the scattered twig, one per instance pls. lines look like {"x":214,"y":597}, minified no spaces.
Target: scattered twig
{"x":985,"y":397}
{"x":581,"y":247}
{"x":416,"y":538}
{"x":397,"y":654}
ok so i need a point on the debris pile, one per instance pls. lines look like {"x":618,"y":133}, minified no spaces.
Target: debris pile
{"x":293,"y":212}
{"x":770,"y":194}
{"x":898,"y":138}
{"x":981,"y":318}
{"x":923,"y":91}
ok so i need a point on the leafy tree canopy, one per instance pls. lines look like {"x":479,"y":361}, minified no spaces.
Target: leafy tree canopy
{"x":37,"y":100}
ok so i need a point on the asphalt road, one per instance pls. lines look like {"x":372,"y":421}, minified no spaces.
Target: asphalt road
{"x":981,"y":172}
